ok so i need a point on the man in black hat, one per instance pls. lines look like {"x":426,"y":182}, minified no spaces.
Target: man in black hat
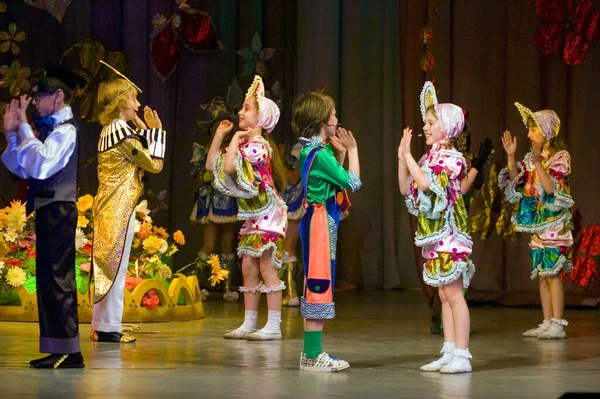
{"x":49,"y":163}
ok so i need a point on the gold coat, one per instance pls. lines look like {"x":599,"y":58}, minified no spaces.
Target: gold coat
{"x":122,"y":160}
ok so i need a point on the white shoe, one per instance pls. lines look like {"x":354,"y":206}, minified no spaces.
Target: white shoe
{"x":556,"y":330}
{"x":534,"y":332}
{"x":460,"y":362}
{"x":231,"y":296}
{"x":238,"y":333}
{"x":293,"y":302}
{"x":436,"y":365}
{"x":323,"y":362}
{"x":261,"y":335}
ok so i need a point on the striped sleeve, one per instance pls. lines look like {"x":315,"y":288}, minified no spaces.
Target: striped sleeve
{"x":156,"y":138}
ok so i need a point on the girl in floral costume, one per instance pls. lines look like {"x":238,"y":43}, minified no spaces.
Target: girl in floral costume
{"x":433,"y":188}
{"x":540,"y":185}
{"x":250,"y":170}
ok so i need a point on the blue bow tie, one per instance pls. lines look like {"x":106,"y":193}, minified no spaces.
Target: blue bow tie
{"x":44,"y":124}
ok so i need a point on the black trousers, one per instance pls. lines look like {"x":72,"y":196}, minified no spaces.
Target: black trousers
{"x":55,"y":226}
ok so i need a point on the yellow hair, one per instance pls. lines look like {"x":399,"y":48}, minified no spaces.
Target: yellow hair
{"x":113,"y":96}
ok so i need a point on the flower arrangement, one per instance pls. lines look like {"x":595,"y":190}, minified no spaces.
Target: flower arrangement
{"x":150,"y":257}
{"x":17,"y":251}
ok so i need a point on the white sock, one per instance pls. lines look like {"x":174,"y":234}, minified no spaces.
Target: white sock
{"x":250,"y":318}
{"x":273,"y":323}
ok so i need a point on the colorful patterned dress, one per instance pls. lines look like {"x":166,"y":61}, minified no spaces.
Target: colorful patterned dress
{"x":324,"y":180}
{"x":547,"y":217}
{"x":259,"y":204}
{"x":443,"y":222}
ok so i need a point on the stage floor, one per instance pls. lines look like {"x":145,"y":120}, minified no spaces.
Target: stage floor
{"x":384,"y":335}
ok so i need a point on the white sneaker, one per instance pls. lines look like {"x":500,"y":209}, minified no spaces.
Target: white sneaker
{"x":323,"y":362}
{"x":460,"y":362}
{"x":556,"y":330}
{"x":436,"y":365}
{"x":238,"y":333}
{"x":261,"y":335}
{"x":534,"y":332}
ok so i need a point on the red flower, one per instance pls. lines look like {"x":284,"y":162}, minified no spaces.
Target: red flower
{"x":31,"y":252}
{"x":567,"y":23}
{"x":131,"y":282}
{"x":87,"y":248}
{"x":14,"y":262}
{"x":150,"y":300}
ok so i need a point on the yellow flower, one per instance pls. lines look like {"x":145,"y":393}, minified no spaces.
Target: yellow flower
{"x":214,"y":262}
{"x":161,"y":232}
{"x":15,"y":78}
{"x":15,"y":219}
{"x":82,"y":222}
{"x":172,"y":249}
{"x":16,"y":276}
{"x":84,"y":204}
{"x":9,"y":39}
{"x":17,"y":205}
{"x":217,"y":277}
{"x":179,"y":237}
{"x":136,"y":243}
{"x":152,"y":244}
{"x":10,"y":235}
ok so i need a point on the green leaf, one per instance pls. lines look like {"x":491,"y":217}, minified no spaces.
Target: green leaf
{"x":30,"y":284}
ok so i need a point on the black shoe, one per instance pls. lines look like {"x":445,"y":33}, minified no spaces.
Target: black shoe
{"x":33,"y":362}
{"x":60,"y":361}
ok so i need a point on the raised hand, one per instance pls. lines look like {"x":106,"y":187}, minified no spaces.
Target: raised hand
{"x":138,"y":122}
{"x":509,"y":143}
{"x":535,"y":154}
{"x":337,"y":145}
{"x":346,"y":138}
{"x":11,"y":116}
{"x":24,"y":102}
{"x":151,"y":118}
{"x":242,"y":134}
{"x":224,"y":127}
{"x":401,"y":150}
{"x":407,"y":138}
